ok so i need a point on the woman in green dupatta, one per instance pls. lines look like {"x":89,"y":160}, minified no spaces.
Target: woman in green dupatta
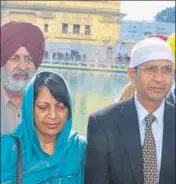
{"x":52,"y":151}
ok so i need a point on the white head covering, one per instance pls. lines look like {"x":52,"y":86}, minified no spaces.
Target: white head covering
{"x":150,"y":49}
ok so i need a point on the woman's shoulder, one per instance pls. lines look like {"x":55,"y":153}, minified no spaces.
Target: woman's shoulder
{"x":7,"y":140}
{"x":82,"y":141}
{"x":8,"y":158}
{"x":79,"y":141}
{"x":74,"y":135}
{"x":82,"y":144}
{"x":8,"y":146}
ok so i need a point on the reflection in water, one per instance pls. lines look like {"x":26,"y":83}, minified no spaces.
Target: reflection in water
{"x":91,"y":91}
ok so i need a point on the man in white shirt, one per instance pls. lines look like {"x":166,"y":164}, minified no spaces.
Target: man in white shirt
{"x":133,"y":141}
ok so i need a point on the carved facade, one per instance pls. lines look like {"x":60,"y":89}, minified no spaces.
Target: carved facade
{"x":89,"y":29}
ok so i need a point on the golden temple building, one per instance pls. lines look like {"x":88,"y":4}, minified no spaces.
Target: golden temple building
{"x":87,"y":29}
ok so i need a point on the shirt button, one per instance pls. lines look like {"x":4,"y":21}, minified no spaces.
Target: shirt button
{"x":18,"y":115}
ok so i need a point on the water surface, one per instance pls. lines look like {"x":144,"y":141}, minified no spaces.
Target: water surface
{"x":91,"y":91}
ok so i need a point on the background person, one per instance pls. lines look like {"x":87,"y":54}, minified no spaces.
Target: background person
{"x":22,"y":51}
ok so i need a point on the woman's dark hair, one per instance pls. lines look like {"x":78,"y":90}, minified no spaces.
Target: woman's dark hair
{"x":55,"y":84}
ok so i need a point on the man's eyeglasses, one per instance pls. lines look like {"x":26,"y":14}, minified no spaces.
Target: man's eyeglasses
{"x":154,"y":69}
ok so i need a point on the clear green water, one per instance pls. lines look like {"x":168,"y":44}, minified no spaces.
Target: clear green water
{"x":90,"y":92}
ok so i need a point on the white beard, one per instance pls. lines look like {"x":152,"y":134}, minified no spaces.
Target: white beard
{"x":16,"y":86}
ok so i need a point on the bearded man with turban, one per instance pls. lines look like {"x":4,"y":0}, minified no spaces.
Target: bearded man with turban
{"x":171,"y":96}
{"x":22,"y":51}
{"x":133,"y":141}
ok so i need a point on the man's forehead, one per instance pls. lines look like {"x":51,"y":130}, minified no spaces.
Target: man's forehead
{"x":158,"y":62}
{"x":22,"y":51}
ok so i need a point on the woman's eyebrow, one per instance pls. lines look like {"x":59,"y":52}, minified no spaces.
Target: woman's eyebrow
{"x":41,"y":102}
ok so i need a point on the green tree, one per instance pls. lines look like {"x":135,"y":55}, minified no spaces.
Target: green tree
{"x":166,"y":15}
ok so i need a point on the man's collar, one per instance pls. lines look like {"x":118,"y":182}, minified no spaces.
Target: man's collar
{"x":142,"y":112}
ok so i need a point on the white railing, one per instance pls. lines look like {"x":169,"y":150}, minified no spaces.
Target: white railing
{"x":113,"y":64}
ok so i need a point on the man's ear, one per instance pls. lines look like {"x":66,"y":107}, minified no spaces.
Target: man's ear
{"x":132,"y":75}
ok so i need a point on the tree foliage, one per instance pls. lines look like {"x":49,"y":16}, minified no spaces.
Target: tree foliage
{"x":166,"y":15}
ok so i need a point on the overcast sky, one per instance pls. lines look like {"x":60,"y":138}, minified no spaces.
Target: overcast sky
{"x":143,"y":10}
